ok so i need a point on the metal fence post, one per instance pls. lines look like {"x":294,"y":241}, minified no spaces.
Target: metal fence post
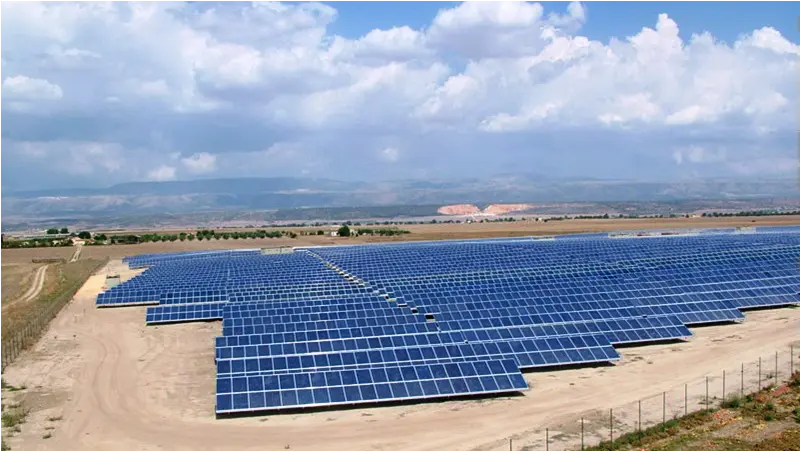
{"x":759,"y":385}
{"x":664,"y":419}
{"x":510,"y":444}
{"x":546,"y":438}
{"x":707,"y":393}
{"x":685,"y":399}
{"x":582,"y":433}
{"x":792,"y":368}
{"x":611,"y":435}
{"x":776,"y":371}
{"x":742,"y":379}
{"x":724,"y":385}
{"x":639,"y":417}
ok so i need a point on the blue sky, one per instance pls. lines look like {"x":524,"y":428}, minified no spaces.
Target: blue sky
{"x":726,"y":20}
{"x":95,"y":95}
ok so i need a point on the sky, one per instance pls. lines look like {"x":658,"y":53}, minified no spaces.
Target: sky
{"x":95,"y":94}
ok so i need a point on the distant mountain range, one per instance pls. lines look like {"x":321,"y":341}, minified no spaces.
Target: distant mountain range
{"x":259,"y":194}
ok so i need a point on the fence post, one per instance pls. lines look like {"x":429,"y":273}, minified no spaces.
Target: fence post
{"x":639,"y":418}
{"x":582,"y":433}
{"x":759,"y":385}
{"x":546,"y":438}
{"x":707,"y":393}
{"x":776,"y":371}
{"x":792,"y":368}
{"x":510,"y":444}
{"x":664,"y":419}
{"x":742,"y":379}
{"x":685,"y":399}
{"x":724,"y":385}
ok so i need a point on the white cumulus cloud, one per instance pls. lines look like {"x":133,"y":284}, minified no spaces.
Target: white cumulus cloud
{"x":228,"y":84}
{"x":200,"y":163}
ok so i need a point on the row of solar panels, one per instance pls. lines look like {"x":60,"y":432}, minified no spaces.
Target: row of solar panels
{"x":302,"y":344}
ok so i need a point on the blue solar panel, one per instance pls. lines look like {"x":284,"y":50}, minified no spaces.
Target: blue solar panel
{"x":345,"y":311}
{"x":184,"y":313}
{"x":527,"y":353}
{"x":390,"y":383}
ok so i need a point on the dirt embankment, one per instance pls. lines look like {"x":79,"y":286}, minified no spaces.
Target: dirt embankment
{"x":502,"y":209}
{"x":459,"y":209}
{"x":492,"y":209}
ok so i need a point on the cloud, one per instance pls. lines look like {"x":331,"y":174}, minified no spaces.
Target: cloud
{"x":390,"y":154}
{"x":161,"y":173}
{"x":268,"y":89}
{"x":200,"y":163}
{"x":698,"y":154}
{"x":21,"y":87}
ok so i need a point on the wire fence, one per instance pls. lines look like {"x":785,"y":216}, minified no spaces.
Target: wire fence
{"x":707,"y":392}
{"x":32,"y":330}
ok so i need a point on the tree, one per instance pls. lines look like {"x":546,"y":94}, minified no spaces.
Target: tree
{"x":65,"y":231}
{"x":100,"y":237}
{"x":86,"y":235}
{"x":344,"y":231}
{"x":182,"y":236}
{"x":52,"y":231}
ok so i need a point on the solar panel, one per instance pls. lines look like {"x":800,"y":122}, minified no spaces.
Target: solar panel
{"x":395,"y":311}
{"x":183,"y":313}
{"x":527,"y":353}
{"x":390,"y":383}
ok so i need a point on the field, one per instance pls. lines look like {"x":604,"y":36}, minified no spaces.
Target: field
{"x":102,"y":379}
{"x":24,"y":255}
{"x":417,"y":232}
{"x":16,"y":278}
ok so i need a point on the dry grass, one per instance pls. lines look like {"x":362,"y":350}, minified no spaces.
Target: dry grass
{"x":767,"y":420}
{"x":16,"y":278}
{"x":58,"y":278}
{"x":24,"y":255}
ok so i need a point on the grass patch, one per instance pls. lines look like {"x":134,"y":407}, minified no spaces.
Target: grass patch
{"x":13,"y":418}
{"x":656,"y":432}
{"x":3,"y":445}
{"x":733,"y":402}
{"x":11,"y":388}
{"x":55,"y":418}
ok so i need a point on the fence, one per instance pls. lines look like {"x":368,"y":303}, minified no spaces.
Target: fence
{"x":28,"y":334}
{"x":703,"y":393}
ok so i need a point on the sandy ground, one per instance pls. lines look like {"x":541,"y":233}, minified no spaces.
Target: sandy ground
{"x":101,"y":379}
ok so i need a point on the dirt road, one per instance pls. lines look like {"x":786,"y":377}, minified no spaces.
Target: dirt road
{"x":101,"y":379}
{"x":36,"y":287}
{"x":77,"y":253}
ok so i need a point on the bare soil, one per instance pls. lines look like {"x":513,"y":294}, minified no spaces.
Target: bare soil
{"x":101,"y":379}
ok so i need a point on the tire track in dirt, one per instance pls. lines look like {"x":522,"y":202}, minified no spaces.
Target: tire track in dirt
{"x":36,"y":287}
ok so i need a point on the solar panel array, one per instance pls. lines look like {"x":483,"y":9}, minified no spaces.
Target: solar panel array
{"x":360,"y":324}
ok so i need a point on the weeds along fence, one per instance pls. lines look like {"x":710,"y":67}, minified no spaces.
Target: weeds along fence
{"x":595,"y":429}
{"x":32,"y":330}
